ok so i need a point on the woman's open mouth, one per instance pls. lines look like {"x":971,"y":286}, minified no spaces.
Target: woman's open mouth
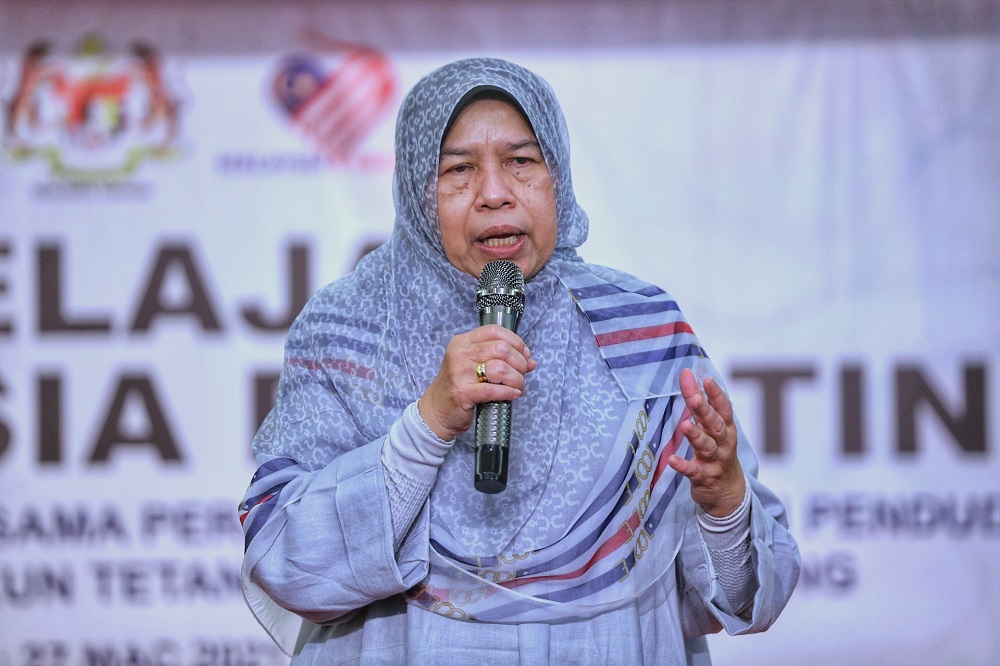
{"x":506,"y":240}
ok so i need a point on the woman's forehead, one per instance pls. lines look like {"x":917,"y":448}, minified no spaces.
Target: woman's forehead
{"x":489,"y":117}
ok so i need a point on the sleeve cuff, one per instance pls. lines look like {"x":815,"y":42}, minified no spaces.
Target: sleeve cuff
{"x":728,"y":532}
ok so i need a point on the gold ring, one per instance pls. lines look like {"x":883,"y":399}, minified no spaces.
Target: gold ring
{"x":481,"y":373}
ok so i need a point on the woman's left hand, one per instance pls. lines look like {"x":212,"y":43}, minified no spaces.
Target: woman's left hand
{"x":717,"y":481}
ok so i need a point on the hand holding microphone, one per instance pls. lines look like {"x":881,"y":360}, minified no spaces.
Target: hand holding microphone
{"x":484,"y":366}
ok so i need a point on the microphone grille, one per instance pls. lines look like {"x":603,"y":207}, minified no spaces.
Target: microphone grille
{"x":501,"y":284}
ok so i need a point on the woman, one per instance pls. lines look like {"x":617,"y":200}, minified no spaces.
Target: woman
{"x":632,"y":523}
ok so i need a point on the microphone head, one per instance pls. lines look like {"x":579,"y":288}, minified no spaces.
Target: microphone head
{"x":501,"y":284}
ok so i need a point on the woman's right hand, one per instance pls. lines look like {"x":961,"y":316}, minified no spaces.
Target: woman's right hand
{"x":448,"y":406}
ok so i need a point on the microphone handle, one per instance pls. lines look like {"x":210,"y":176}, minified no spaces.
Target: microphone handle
{"x":492,"y":446}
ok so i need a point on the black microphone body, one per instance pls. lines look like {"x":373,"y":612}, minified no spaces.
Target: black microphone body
{"x":499,"y":300}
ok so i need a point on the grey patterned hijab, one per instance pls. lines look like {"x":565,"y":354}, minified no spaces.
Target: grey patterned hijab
{"x":420,"y":129}
{"x":368,"y":345}
{"x":431,"y":300}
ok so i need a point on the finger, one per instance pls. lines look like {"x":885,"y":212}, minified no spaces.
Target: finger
{"x":703,"y":446}
{"x":714,"y":427}
{"x":703,"y":410}
{"x":693,"y":396}
{"x":690,"y":390}
{"x":493,"y":393}
{"x":511,"y":355}
{"x":723,"y":407}
{"x":503,"y":360}
{"x":499,"y":372}
{"x":681,"y":465}
{"x":494,"y":332}
{"x":688,"y":468}
{"x":719,"y":400}
{"x":504,"y":384}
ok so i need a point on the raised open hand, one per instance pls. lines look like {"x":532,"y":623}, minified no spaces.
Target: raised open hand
{"x":717,"y":481}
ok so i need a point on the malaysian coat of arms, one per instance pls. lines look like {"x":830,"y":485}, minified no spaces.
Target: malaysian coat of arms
{"x":91,"y":116}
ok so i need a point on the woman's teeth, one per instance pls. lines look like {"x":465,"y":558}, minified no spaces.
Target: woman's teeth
{"x":501,"y":241}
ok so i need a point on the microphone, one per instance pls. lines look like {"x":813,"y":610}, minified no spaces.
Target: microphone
{"x":499,"y":300}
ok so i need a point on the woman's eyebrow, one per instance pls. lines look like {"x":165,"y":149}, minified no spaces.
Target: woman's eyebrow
{"x":463,"y":152}
{"x":527,"y":143}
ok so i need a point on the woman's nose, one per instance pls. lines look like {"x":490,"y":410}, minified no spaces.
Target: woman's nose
{"x":494,"y":187}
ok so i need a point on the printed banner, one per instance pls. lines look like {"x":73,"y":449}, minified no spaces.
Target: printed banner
{"x":823,"y":204}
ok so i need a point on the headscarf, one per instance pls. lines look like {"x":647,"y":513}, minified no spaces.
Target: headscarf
{"x":420,"y":128}
{"x":604,"y":396}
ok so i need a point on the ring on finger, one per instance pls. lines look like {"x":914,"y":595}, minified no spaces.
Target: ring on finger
{"x":481,"y":373}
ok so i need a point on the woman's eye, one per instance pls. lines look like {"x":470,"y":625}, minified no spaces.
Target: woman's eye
{"x":522,"y":161}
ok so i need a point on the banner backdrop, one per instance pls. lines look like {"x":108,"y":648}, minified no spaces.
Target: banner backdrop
{"x":817,"y":183}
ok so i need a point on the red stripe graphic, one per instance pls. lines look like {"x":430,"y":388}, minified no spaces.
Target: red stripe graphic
{"x":243,"y":516}
{"x":671,"y":448}
{"x":340,"y":364}
{"x":634,"y":334}
{"x":617,"y":539}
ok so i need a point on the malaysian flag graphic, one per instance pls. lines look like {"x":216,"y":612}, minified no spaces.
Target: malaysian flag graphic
{"x":337,"y":110}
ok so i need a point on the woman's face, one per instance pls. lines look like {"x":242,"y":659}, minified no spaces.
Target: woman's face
{"x":496,"y":199}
